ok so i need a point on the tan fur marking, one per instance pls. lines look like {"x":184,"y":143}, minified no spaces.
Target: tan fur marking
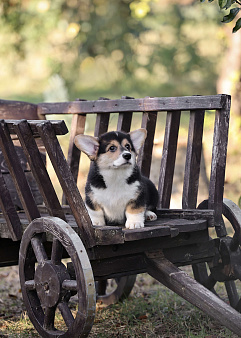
{"x":132,"y":210}
{"x":109,"y":157}
{"x":125,"y":142}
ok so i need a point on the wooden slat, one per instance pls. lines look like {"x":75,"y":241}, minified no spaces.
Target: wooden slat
{"x":149,"y":232}
{"x":59,"y":126}
{"x":145,"y":155}
{"x":124,"y":122}
{"x":38,"y":169}
{"x":77,"y":127}
{"x":219,"y":153}
{"x":67,"y":182}
{"x":18,"y":110}
{"x":17,"y":173}
{"x":193,"y":159}
{"x":73,"y":159}
{"x":168,"y":159}
{"x":137,"y":105}
{"x":101,"y":124}
{"x":124,"y":119}
{"x":9,"y":211}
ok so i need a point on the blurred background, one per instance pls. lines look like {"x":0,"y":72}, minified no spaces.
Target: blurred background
{"x":66,"y":49}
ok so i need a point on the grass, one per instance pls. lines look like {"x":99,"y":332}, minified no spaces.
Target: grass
{"x":151,"y":311}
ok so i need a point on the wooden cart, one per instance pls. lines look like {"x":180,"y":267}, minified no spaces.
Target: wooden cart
{"x":61,"y":255}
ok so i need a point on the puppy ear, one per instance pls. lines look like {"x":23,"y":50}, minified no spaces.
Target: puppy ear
{"x":88,"y":144}
{"x":138,"y":138}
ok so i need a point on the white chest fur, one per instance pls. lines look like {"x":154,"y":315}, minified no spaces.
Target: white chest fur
{"x":114,"y":198}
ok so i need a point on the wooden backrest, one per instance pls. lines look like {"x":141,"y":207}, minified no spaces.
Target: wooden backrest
{"x":27,"y":132}
{"x":101,"y":110}
{"x":173,"y":108}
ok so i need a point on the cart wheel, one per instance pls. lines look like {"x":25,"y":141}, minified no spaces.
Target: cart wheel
{"x":226,"y":265}
{"x":57,"y":305}
{"x":111,"y":291}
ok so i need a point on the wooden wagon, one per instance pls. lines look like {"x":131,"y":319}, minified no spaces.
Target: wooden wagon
{"x":60,"y":253}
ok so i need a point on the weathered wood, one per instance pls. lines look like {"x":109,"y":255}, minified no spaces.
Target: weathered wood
{"x":77,"y":127}
{"x":9,"y":211}
{"x":18,"y":110}
{"x":67,"y":182}
{"x":73,"y":159}
{"x":17,"y":173}
{"x":39,"y":170}
{"x":145,"y":154}
{"x":219,"y":153}
{"x":101,"y":124}
{"x":206,"y":214}
{"x":193,"y":159}
{"x":124,"y":122}
{"x":135,"y":105}
{"x":168,"y":159}
{"x":59,"y":127}
{"x":124,"y":119}
{"x":185,"y":286}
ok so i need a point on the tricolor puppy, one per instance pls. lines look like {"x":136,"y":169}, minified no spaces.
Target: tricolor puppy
{"x":116,"y":192}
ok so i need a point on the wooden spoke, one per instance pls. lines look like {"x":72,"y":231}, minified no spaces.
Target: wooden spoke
{"x":49,"y":316}
{"x":57,"y":252}
{"x":70,"y":285}
{"x":38,"y":249}
{"x":66,"y":314}
{"x":30,"y":285}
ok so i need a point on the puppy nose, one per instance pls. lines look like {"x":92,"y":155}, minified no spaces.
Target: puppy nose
{"x":126,"y":156}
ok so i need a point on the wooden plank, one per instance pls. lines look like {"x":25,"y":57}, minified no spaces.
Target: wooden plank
{"x":156,"y":230}
{"x":73,"y":159}
{"x":193,"y":160}
{"x":123,"y":265}
{"x":17,"y":110}
{"x":135,"y":105}
{"x":188,"y":214}
{"x":218,"y":165}
{"x":77,"y":127}
{"x":145,"y":154}
{"x":67,"y":182}
{"x":106,"y":235}
{"x":9,"y":211}
{"x":124,"y":119}
{"x":124,"y":122}
{"x":168,"y":159}
{"x":101,"y":124}
{"x":17,"y":173}
{"x":186,"y":287}
{"x":39,"y":170}
{"x":181,"y":224}
{"x":59,"y":126}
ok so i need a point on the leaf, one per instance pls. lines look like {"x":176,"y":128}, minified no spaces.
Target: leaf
{"x":229,"y":3}
{"x":231,"y":15}
{"x":222,"y":3}
{"x":237,"y":26}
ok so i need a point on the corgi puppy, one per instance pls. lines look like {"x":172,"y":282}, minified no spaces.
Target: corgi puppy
{"x":116,"y":192}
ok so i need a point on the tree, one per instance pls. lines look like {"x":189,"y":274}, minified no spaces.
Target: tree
{"x":227,"y":4}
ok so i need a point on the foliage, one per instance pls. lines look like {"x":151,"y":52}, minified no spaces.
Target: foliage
{"x":227,"y":4}
{"x":122,"y":47}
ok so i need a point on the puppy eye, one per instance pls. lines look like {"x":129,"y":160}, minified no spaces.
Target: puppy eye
{"x":112,"y":149}
{"x":128,"y":147}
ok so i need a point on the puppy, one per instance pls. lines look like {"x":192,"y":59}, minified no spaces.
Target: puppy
{"x":116,"y":192}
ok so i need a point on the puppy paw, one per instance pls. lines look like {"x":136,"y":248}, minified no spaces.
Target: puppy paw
{"x":150,"y":216}
{"x":134,"y":225}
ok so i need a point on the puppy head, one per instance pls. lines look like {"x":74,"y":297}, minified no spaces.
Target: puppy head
{"x":112,"y":149}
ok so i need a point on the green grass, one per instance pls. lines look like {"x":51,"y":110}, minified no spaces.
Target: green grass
{"x":151,"y":311}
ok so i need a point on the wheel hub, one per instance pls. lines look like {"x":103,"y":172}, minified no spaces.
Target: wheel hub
{"x":48,"y":282}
